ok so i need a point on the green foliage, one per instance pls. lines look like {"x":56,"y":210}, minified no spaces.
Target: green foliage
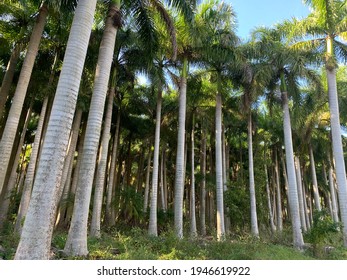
{"x":236,"y":199}
{"x":322,"y":230}
{"x":322,"y":226}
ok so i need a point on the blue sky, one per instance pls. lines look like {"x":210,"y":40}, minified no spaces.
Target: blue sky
{"x":254,"y":13}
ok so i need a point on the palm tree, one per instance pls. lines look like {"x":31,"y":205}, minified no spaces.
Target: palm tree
{"x":76,"y":243}
{"x":10,"y":129}
{"x":323,"y":29}
{"x":217,"y":50}
{"x":288,"y":65}
{"x":37,"y":230}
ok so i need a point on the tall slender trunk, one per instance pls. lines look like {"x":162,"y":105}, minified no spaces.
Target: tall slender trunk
{"x":111,"y":179}
{"x":314,"y":181}
{"x":8,"y":78}
{"x":29,"y":179}
{"x":333,"y":192}
{"x":203,"y":183}
{"x":5,"y":203}
{"x":95,"y":225}
{"x":193,"y":230}
{"x":152,"y":227}
{"x":292,"y":186}
{"x":68,"y":166}
{"x":254,"y":219}
{"x":76,"y":243}
{"x":307,"y":218}
{"x":219,"y":168}
{"x":300,"y":195}
{"x":268,"y":196}
{"x":336,"y":139}
{"x":36,"y":235}
{"x":74,"y":180}
{"x":278,"y":196}
{"x":9,"y":134}
{"x":180,"y":167}
{"x":148,"y":172}
{"x":162,"y":192}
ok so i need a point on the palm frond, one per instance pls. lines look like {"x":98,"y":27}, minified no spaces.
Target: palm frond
{"x":165,"y":16}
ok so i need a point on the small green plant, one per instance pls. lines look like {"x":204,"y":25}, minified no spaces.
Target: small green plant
{"x":322,"y":228}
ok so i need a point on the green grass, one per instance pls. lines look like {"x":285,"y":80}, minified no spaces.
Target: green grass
{"x":135,"y":244}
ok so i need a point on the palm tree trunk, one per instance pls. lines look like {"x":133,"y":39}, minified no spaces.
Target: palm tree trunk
{"x":101,"y":171}
{"x":271,"y":218}
{"x":300,"y":196}
{"x":254,"y":219}
{"x":5,"y":203}
{"x":8,"y":78}
{"x":292,"y":186}
{"x":152,"y":227}
{"x":162,"y":192}
{"x":76,"y":243}
{"x":314,"y":181}
{"x":29,"y":179}
{"x":180,"y":167}
{"x":9,"y":134}
{"x":111,"y":179}
{"x":35,"y":242}
{"x":332,"y":192}
{"x":203,"y":183}
{"x":307,"y":218}
{"x":279,"y":196}
{"x":219,"y":167}
{"x":148,"y":172}
{"x":336,"y":139}
{"x":68,"y":166}
{"x":193,"y":230}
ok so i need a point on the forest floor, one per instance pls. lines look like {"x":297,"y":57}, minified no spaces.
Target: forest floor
{"x":135,"y":244}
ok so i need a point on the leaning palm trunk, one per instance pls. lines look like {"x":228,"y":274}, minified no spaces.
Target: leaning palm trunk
{"x":152,"y":227}
{"x":29,"y":179}
{"x":5,"y":203}
{"x":314,"y":181}
{"x":180,"y":166}
{"x":292,"y":186}
{"x":35,"y":242}
{"x":219,"y":169}
{"x":254,"y":219}
{"x":101,"y":171}
{"x":8,"y":78}
{"x":76,"y":243}
{"x":337,"y":149}
{"x":11,"y":126}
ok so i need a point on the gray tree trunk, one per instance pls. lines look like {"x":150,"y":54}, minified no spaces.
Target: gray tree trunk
{"x":153,"y":227}
{"x":9,"y":134}
{"x":180,"y":167}
{"x":292,"y":186}
{"x":219,"y":170}
{"x":254,"y":218}
{"x":76,"y":243}
{"x":337,"y":149}
{"x":95,"y":225}
{"x":35,"y":242}
{"x":30,"y":175}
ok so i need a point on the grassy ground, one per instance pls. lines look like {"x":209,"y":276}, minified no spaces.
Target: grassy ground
{"x":135,"y":244}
